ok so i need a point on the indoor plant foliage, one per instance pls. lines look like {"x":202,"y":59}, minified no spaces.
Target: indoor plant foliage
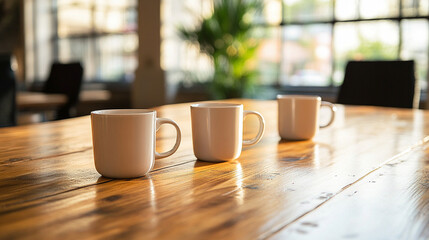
{"x":226,"y":36}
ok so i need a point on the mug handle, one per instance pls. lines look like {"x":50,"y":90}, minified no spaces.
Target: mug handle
{"x":333,"y":110}
{"x":255,"y":140}
{"x":159,"y":122}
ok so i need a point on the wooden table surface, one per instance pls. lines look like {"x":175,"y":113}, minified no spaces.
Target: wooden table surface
{"x":38,"y":101}
{"x":366,"y":177}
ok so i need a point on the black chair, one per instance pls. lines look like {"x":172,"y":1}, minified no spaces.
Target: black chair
{"x":7,"y":93}
{"x":65,"y":79}
{"x":380,"y":83}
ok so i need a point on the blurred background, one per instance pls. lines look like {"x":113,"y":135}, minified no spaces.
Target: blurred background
{"x":134,"y":53}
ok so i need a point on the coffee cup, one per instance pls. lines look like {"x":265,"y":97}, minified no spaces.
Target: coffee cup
{"x":217,"y":130}
{"x":298,"y":116}
{"x":124,"y":141}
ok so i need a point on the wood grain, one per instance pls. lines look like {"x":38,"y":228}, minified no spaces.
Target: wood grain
{"x":390,"y":203}
{"x":50,"y":188}
{"x":30,"y":142}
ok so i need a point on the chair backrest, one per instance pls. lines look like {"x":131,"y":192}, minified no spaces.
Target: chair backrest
{"x":7,"y":93}
{"x":379,"y":83}
{"x":65,"y":78}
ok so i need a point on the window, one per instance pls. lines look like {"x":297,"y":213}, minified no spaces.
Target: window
{"x":307,"y":55}
{"x":320,"y":36}
{"x":182,"y":62}
{"x":308,"y":42}
{"x":99,"y":33}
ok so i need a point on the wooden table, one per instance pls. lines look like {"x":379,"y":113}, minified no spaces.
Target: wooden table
{"x":366,"y":177}
{"x":38,"y":101}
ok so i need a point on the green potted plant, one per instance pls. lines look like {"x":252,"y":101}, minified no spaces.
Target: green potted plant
{"x":226,"y":36}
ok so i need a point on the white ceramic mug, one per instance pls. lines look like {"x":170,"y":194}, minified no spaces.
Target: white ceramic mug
{"x":217,"y":130}
{"x":124,"y":141}
{"x":298,"y":116}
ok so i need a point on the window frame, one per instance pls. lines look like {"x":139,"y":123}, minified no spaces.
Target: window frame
{"x":331,"y":88}
{"x":93,"y":35}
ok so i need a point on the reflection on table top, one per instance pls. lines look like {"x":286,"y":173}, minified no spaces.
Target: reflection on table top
{"x":366,"y":177}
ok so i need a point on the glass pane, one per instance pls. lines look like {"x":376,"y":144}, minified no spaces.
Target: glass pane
{"x":269,"y":55}
{"x":181,"y":61}
{"x":379,"y":8}
{"x":112,"y":21}
{"x":41,"y":45}
{"x":415,"y":7}
{"x":105,"y":57}
{"x":75,"y":3}
{"x":69,"y":23}
{"x":307,"y":10}
{"x":116,"y":4}
{"x":415,"y":47}
{"x":170,"y":60}
{"x":117,"y":57}
{"x":177,"y":55}
{"x":109,"y":20}
{"x":82,"y":17}
{"x":270,"y":13}
{"x":183,"y":13}
{"x":365,"y":40}
{"x":346,"y":9}
{"x":175,"y":14}
{"x":307,"y":55}
{"x":114,"y":60}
